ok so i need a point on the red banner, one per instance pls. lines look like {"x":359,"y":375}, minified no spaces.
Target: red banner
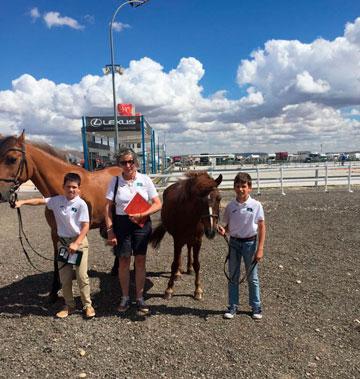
{"x":126,"y":109}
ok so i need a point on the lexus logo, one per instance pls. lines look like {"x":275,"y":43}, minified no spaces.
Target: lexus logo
{"x":98,"y":122}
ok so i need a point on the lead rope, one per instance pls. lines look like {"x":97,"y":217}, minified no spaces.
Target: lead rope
{"x":248,"y":273}
{"x":21,"y":234}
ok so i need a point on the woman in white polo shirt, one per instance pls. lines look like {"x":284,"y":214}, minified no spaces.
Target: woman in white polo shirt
{"x":125,"y":233}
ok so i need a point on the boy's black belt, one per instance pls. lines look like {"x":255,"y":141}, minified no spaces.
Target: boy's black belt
{"x":248,"y":239}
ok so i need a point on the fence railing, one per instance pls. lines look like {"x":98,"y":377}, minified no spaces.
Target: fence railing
{"x":279,"y":177}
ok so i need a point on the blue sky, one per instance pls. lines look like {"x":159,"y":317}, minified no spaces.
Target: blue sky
{"x":199,"y":48}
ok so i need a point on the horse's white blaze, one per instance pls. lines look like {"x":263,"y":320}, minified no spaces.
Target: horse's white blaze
{"x":211,"y":218}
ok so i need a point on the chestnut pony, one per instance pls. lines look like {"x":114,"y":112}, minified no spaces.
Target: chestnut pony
{"x":21,"y":161}
{"x":190,"y":210}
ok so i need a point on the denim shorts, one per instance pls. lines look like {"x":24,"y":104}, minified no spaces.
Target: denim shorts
{"x":131,"y":238}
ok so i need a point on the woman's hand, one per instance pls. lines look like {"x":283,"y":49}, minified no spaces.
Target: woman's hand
{"x":136,"y":217}
{"x":111,"y":238}
{"x":221,"y":230}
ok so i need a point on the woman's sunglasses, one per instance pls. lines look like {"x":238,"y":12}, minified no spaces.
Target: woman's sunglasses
{"x":124,"y":163}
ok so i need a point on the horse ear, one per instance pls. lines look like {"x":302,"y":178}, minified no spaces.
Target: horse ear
{"x":21,"y":138}
{"x":218,"y":180}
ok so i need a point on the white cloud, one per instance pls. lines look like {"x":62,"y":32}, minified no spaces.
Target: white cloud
{"x":305,"y":83}
{"x":34,"y":14}
{"x":54,"y":19}
{"x":298,"y":96}
{"x":119,"y":26}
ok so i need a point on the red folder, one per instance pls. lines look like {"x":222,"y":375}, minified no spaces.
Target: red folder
{"x":137,"y":205}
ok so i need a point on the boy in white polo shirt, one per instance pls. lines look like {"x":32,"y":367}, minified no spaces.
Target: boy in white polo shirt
{"x":244,"y":221}
{"x":72,"y":223}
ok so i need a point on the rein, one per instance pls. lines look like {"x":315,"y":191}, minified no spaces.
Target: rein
{"x":23,"y":235}
{"x":248,"y":273}
{"x":13,"y":198}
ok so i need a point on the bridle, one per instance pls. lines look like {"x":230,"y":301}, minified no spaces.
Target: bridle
{"x":16,"y":180}
{"x":214,"y":215}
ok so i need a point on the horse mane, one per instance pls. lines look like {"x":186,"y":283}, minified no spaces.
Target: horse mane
{"x":50,"y":150}
{"x":8,"y":142}
{"x":201,"y":180}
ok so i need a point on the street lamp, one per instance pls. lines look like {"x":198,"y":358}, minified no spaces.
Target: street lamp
{"x":114,"y":67}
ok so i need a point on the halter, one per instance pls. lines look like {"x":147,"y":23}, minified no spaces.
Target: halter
{"x":210,"y":215}
{"x":16,"y":182}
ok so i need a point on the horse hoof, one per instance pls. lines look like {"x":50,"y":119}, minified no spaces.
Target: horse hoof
{"x":167,"y":295}
{"x":198,"y":296}
{"x":189,"y":272}
{"x":177,"y":277}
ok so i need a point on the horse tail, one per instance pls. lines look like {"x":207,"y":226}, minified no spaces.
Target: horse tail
{"x":157,"y":235}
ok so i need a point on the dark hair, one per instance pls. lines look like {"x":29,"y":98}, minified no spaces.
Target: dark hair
{"x":72,"y":177}
{"x":243,"y":177}
{"x":126,"y":151}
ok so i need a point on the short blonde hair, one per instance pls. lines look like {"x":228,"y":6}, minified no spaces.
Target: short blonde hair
{"x":126,"y":151}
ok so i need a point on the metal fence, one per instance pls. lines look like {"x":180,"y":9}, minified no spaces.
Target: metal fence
{"x":321,"y":175}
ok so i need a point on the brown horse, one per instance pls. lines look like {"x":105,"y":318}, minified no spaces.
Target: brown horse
{"x":190,"y":209}
{"x":21,"y":161}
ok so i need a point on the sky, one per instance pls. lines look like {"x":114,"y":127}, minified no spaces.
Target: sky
{"x":209,"y":76}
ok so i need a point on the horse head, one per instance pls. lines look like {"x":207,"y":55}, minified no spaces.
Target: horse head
{"x":13,"y":166}
{"x":210,"y":204}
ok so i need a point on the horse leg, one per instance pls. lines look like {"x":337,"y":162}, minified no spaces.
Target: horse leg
{"x":198,"y":294}
{"x":174,"y":268}
{"x":56,"y":285}
{"x":189,"y":261}
{"x":179,"y":271}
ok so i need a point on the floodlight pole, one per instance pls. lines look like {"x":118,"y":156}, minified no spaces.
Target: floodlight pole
{"x":138,"y":3}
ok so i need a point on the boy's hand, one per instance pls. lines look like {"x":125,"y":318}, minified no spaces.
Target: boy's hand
{"x":18,"y":204}
{"x":259,"y":254}
{"x":73,"y":247}
{"x":221,"y":230}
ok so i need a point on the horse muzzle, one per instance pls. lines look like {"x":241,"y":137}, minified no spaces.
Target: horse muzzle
{"x":6,"y":193}
{"x":210,"y":233}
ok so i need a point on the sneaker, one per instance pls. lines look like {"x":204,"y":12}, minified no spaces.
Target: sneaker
{"x":66,"y":311}
{"x":256,"y":314}
{"x":142,"y":308}
{"x":89,"y":312}
{"x":231,"y":312}
{"x":124,"y":305}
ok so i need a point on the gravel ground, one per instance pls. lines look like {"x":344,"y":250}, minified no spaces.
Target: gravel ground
{"x":310,"y":290}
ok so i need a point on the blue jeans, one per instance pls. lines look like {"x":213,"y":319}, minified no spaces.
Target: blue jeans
{"x":245,"y":250}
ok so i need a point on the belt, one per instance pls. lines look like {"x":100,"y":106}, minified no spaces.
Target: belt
{"x":248,"y":239}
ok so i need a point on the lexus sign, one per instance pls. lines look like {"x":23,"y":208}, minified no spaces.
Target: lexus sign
{"x":107,"y":123}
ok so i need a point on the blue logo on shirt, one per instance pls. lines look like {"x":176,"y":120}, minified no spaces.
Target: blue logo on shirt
{"x":249,"y":210}
{"x":74,"y":210}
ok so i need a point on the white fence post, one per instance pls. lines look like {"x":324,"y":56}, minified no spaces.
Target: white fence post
{"x":258,"y":180}
{"x":281,"y":181}
{"x":349,"y":178}
{"x":326,"y":177}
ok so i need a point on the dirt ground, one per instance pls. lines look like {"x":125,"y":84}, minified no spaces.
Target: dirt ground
{"x":310,"y":292}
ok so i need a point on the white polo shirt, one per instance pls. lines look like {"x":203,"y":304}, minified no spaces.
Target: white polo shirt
{"x":69,"y":214}
{"x":242,"y":218}
{"x":126,"y":190}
